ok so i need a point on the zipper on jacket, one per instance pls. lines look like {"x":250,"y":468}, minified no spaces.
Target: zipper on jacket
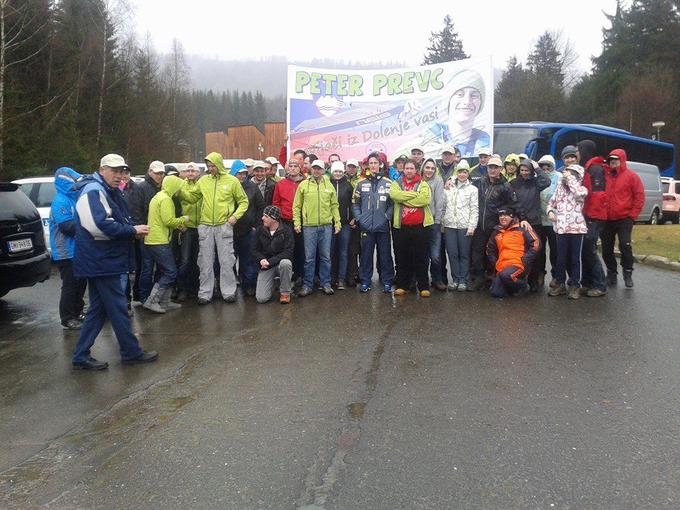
{"x":213,"y":204}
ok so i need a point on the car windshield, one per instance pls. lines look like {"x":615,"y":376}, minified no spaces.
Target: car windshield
{"x":508,"y":140}
{"x":14,"y":204}
{"x":45,"y":194}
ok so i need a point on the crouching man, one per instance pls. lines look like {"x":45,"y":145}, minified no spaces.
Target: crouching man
{"x":274,"y":246}
{"x":511,"y":250}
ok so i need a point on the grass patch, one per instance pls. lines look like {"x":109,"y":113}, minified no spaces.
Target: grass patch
{"x":662,"y":240}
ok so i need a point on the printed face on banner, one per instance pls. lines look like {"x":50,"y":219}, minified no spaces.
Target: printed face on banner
{"x":353,"y":113}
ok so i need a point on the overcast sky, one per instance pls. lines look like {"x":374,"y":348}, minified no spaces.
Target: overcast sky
{"x":367,"y":31}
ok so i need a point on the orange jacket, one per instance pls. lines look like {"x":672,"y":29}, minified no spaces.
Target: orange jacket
{"x":512,"y":246}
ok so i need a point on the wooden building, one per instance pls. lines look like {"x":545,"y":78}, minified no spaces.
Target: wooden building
{"x":244,"y":141}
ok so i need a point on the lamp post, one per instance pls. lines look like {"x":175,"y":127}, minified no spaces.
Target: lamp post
{"x":260,"y":149}
{"x":658,"y":125}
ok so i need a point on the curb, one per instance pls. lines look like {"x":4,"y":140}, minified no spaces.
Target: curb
{"x":655,"y":261}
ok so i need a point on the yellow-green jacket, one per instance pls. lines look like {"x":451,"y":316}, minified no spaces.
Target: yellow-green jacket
{"x":222,"y":195}
{"x":315,"y":203}
{"x":193,"y":210}
{"x":420,"y":198}
{"x":162,"y":220}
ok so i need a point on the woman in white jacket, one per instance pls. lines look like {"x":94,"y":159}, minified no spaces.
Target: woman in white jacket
{"x":461,"y":212}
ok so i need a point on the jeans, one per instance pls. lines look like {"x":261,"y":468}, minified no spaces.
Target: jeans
{"x":146,"y":277}
{"x":71,"y":302}
{"x":434,"y":254}
{"x":548,"y":240}
{"x":458,"y":245}
{"x":624,"y":230}
{"x":569,"y":259}
{"x":247,"y":265}
{"x":187,"y":277}
{"x":413,"y":243}
{"x":107,"y":300}
{"x":340,"y":253}
{"x":593,"y":274}
{"x":164,"y":258}
{"x":317,"y":240}
{"x":369,"y":242}
{"x":508,"y":282}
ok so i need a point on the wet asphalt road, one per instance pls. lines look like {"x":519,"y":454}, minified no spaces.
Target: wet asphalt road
{"x":351,"y":401}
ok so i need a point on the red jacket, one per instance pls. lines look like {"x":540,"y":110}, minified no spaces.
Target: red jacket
{"x":284,"y":194}
{"x":595,"y":207}
{"x":624,"y":189}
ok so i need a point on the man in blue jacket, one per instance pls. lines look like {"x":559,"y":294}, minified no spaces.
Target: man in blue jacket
{"x":62,"y":244}
{"x":104,"y":255}
{"x":372,"y":209}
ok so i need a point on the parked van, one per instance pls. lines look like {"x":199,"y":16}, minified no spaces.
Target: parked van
{"x":40,"y":191}
{"x":651,"y":180}
{"x":671,"y":200}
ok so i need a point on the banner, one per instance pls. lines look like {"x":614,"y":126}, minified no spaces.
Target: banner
{"x":355,"y":112}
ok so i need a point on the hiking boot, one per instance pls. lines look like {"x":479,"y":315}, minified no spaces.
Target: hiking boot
{"x":425,"y":293}
{"x":146,"y":357}
{"x":328,"y":290}
{"x":72,"y":324}
{"x":90,"y":364}
{"x":554,"y":284}
{"x":560,"y":290}
{"x":182,"y":296}
{"x":153,"y":302}
{"x":628,"y":279}
{"x":612,"y":278}
{"x":574,"y":293}
{"x":165,"y":301}
{"x":341,"y":284}
{"x":203,"y":301}
{"x":284,"y":299}
{"x":440,"y":286}
{"x":596,"y":293}
{"x":400,"y":292}
{"x":304,"y":292}
{"x":230,"y":299}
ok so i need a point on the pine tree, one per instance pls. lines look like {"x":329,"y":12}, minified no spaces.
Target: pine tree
{"x":445,"y":45}
{"x":545,"y":61}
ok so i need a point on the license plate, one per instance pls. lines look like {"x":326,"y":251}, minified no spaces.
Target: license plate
{"x":20,"y":245}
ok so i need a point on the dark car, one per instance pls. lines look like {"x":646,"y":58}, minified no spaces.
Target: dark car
{"x":24,"y":260}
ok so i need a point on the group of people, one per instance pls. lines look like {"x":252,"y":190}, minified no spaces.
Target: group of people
{"x":326,"y":224}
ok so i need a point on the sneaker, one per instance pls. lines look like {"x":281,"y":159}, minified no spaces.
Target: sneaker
{"x":574,"y":293}
{"x":440,"y":286}
{"x":554,"y":283}
{"x":341,"y":285}
{"x":387,"y":288}
{"x":73,"y":324}
{"x":181,"y":296}
{"x":328,"y":290}
{"x":462,"y":287}
{"x":203,"y":301}
{"x":596,"y":293}
{"x":560,"y":290}
{"x":400,"y":292}
{"x":583,"y":290}
{"x":453,"y":286}
{"x":364,"y":288}
{"x":146,"y":357}
{"x":230,"y":299}
{"x":612,"y":278}
{"x":90,"y":364}
{"x":424,"y":293}
{"x":284,"y":299}
{"x":628,"y":279}
{"x":304,"y":292}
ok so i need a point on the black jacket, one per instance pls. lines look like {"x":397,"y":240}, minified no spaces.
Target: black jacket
{"x":269,"y":186}
{"x":253,"y":215}
{"x":343,"y":189}
{"x":492,"y":197}
{"x":528,"y":193}
{"x":139,"y":199}
{"x":275,"y":247}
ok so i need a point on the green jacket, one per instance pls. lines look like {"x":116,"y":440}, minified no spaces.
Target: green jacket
{"x":162,"y":220}
{"x":193,"y":210}
{"x":420,"y":198}
{"x":222,"y":195}
{"x":315,"y":203}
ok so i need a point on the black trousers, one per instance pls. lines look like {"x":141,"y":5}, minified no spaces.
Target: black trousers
{"x":354,"y":253}
{"x":548,"y":240}
{"x":623,"y":229}
{"x":72,"y":290}
{"x":412,"y":245}
{"x":478,"y":259}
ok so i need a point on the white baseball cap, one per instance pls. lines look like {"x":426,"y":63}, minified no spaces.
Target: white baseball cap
{"x":319,"y":163}
{"x":417,"y":148}
{"x":272,"y":160}
{"x":258,"y":164}
{"x":114,"y":161}
{"x":352,"y":162}
{"x":337,"y":166}
{"x":484,"y":152}
{"x":157,"y":167}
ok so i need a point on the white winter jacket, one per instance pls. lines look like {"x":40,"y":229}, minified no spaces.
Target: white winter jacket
{"x":461,"y":205}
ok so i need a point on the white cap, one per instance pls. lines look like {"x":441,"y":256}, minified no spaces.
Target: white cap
{"x":337,"y":166}
{"x":319,"y":163}
{"x":248,"y":162}
{"x":449,"y":148}
{"x":352,"y":162}
{"x":417,"y":148}
{"x":484,"y":152}
{"x":192,"y":166}
{"x":157,"y":167}
{"x":114,"y":161}
{"x":258,"y":164}
{"x":243,"y":169}
{"x":272,"y":160}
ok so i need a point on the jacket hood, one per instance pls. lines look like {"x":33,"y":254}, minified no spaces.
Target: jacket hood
{"x":216,"y":159}
{"x":621,"y":154}
{"x":530,"y":165}
{"x":512,"y":158}
{"x":172,"y":184}
{"x":578,"y":169}
{"x":65,"y":179}
{"x":436,"y":167}
{"x":236,"y":166}
{"x":547,"y":160}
